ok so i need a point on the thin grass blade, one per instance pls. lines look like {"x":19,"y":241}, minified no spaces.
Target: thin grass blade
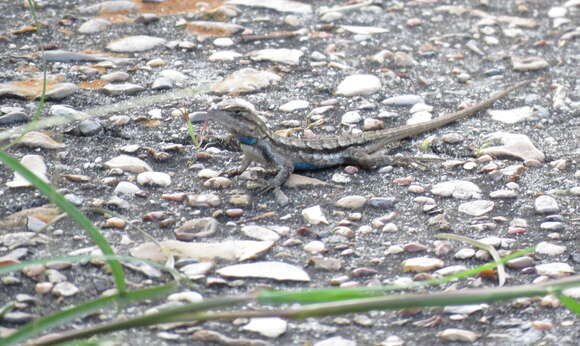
{"x":74,"y":213}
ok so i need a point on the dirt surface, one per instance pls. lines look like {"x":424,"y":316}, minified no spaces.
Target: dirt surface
{"x":444,"y":68}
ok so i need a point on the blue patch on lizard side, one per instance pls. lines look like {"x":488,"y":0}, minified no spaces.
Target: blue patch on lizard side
{"x":247,"y":140}
{"x":303,"y":166}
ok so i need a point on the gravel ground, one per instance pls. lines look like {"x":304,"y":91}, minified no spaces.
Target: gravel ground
{"x":448,"y":53}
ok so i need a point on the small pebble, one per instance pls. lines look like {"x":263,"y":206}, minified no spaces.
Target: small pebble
{"x":461,"y":335}
{"x":203,"y":200}
{"x":476,"y":208}
{"x":294,"y":105}
{"x":122,"y":89}
{"x":352,"y":117}
{"x":314,"y":247}
{"x":138,"y":43}
{"x":555,"y":270}
{"x":65,"y":289}
{"x":223,"y":42}
{"x":421,"y":264}
{"x":464,"y":253}
{"x":371,"y":124}
{"x":154,"y":178}
{"x":314,"y":215}
{"x":549,"y":249}
{"x":403,"y":100}
{"x":546,"y":205}
{"x":116,"y":76}
{"x":382,"y":202}
{"x":279,"y":55}
{"x":360,"y":84}
{"x":351,"y":202}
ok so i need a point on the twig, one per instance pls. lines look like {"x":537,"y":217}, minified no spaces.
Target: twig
{"x":100,"y":111}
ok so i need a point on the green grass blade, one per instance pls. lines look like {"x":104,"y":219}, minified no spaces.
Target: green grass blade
{"x":199,"y":311}
{"x":469,"y":296}
{"x":335,"y":294}
{"x":32,"y":7}
{"x":5,"y":269}
{"x":6,"y":309}
{"x":180,"y":313}
{"x":191,"y":131}
{"x":74,"y":213}
{"x":63,"y":317}
{"x":571,"y":303}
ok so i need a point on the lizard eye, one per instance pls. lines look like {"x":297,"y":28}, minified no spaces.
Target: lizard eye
{"x":238,"y":111}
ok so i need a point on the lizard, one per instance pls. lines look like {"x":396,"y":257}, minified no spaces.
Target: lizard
{"x":288,"y":154}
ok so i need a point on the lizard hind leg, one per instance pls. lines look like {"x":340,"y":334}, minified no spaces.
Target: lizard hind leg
{"x":359,"y":157}
{"x":366,"y":157}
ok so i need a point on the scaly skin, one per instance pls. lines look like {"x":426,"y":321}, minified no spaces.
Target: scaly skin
{"x":287,"y":154}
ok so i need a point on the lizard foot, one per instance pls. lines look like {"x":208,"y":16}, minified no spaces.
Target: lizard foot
{"x":262,"y":186}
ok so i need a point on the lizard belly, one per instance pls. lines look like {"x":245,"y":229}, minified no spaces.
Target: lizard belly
{"x":304,"y":166}
{"x":312,"y":161}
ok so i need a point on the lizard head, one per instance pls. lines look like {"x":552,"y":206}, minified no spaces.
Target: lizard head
{"x":240,"y":118}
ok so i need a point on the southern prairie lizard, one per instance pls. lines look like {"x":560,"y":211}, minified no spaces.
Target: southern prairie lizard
{"x":287,"y":154}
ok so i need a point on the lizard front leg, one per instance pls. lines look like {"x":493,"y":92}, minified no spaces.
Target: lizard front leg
{"x":284,"y":170}
{"x":282,"y":164}
{"x":233,"y":172}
